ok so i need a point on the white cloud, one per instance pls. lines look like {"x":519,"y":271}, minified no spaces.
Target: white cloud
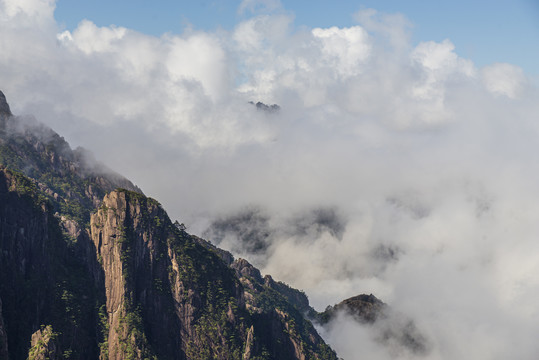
{"x":431,"y":174}
{"x":199,"y":57}
{"x":27,"y":12}
{"x":393,"y":28}
{"x":504,"y":79}
{"x":354,"y":341}
{"x":92,"y":39}
{"x":439,"y":64}
{"x":344,"y":49}
{"x":441,"y":58}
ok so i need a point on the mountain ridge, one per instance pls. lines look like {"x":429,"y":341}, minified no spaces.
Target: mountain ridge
{"x":91,"y":268}
{"x":100,"y":271}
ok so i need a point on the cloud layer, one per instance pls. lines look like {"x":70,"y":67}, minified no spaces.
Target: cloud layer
{"x":392,"y":168}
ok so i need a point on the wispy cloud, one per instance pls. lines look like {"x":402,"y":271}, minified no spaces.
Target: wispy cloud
{"x":254,"y":6}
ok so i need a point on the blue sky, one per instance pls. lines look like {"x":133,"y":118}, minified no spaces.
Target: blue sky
{"x":483,"y":31}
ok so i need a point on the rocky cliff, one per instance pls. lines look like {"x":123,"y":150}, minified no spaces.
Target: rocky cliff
{"x":41,"y":280}
{"x":3,"y":336}
{"x":170,"y":297}
{"x":4,"y":106}
{"x":92,"y":270}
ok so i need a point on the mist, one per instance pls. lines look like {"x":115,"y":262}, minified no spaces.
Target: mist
{"x":392,"y":168}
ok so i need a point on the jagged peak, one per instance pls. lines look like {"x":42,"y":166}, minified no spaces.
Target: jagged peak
{"x":4,"y":106}
{"x":264,"y":107}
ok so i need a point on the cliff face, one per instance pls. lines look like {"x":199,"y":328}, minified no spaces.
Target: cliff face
{"x":88,"y":272}
{"x":3,"y":336}
{"x":41,"y":281}
{"x":24,"y":262}
{"x":4,"y":106}
{"x":169,"y":296}
{"x":130,"y":241}
{"x":278,"y":313}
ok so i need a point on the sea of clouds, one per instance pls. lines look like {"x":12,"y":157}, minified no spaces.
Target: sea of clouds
{"x":392,"y":168}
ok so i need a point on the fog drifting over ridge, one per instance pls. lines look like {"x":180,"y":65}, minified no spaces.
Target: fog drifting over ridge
{"x":401,"y":170}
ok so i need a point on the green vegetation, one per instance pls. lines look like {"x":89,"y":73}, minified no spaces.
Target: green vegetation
{"x":133,"y":341}
{"x":291,"y":320}
{"x":220,"y":324}
{"x":27,"y":189}
{"x":104,"y":328}
{"x":217,"y":336}
{"x":45,"y":346}
{"x":45,"y":157}
{"x":139,"y":198}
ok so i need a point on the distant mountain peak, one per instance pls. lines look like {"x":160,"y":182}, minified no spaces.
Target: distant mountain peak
{"x":264,"y":107}
{"x":4,"y":106}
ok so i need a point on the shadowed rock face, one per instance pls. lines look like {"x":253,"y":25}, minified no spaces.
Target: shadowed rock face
{"x":4,"y":106}
{"x":42,"y":281}
{"x":3,"y":336}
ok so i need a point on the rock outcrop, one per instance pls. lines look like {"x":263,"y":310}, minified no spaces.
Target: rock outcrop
{"x":363,"y":308}
{"x":130,"y":239}
{"x":396,"y":331}
{"x":264,"y":107}
{"x":4,"y":106}
{"x":43,"y":345}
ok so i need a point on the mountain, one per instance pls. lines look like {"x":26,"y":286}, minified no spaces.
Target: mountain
{"x":91,"y":268}
{"x":395,"y":331}
{"x":264,"y":107}
{"x":365,"y":309}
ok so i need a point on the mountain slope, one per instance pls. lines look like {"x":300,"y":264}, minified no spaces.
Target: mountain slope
{"x":91,"y":268}
{"x":72,"y":179}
